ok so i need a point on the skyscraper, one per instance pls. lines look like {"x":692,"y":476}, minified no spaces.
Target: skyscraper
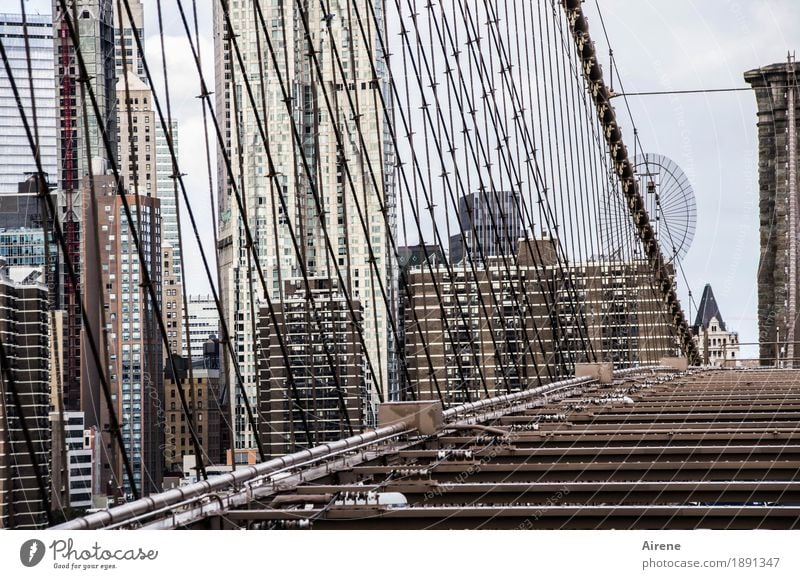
{"x":24,"y":224}
{"x":315,"y":184}
{"x":72,"y":469}
{"x":204,"y":391}
{"x":15,"y":151}
{"x":778,"y":104}
{"x":137,"y":143}
{"x":326,"y":399}
{"x":491,"y":226}
{"x":144,"y":146}
{"x":127,"y":52}
{"x":203,"y":323}
{"x":165,"y":189}
{"x":172,"y":300}
{"x":81,"y":147}
{"x":93,"y":20}
{"x":129,"y":58}
{"x":121,"y":311}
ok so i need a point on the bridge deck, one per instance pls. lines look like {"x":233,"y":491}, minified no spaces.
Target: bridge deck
{"x":713,"y":449}
{"x":654,"y":449}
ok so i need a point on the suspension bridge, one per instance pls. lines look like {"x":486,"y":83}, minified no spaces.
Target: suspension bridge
{"x":547,"y":377}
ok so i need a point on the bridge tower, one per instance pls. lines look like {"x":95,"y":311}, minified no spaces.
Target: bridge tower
{"x":777,"y":100}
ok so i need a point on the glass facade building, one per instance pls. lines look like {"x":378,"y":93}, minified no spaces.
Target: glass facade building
{"x":18,"y":161}
{"x":166,"y":193}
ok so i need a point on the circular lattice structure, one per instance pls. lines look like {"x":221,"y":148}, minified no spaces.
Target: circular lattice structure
{"x":669,"y":199}
{"x":670,"y":202}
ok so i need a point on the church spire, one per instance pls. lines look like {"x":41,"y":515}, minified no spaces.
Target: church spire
{"x":708,"y":309}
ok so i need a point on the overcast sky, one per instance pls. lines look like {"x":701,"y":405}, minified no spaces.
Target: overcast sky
{"x":658,"y":45}
{"x":184,"y":86}
{"x":685,"y":44}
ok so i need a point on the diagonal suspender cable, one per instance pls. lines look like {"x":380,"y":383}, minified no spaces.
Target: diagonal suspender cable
{"x":296,"y":244}
{"x":484,"y":192}
{"x":223,"y":324}
{"x":508,"y":166}
{"x":497,"y":125}
{"x":114,"y":426}
{"x":147,"y":279}
{"x":593,"y":74}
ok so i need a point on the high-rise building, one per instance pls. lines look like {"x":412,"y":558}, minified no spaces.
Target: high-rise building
{"x":716,"y":344}
{"x":137,"y":142}
{"x":120,"y":303}
{"x":165,"y":188}
{"x":15,"y":150}
{"x":510,"y":328}
{"x":138,"y":166}
{"x":24,"y":336}
{"x":81,"y":147}
{"x":203,"y":323}
{"x":454,"y":348}
{"x":127,"y":52}
{"x":95,"y":29}
{"x":778,"y":105}
{"x":23,"y":247}
{"x":491,"y":226}
{"x":171,"y":300}
{"x":154,"y":155}
{"x":610,"y":311}
{"x":280,"y":200}
{"x":408,"y":258}
{"x":326,"y":399}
